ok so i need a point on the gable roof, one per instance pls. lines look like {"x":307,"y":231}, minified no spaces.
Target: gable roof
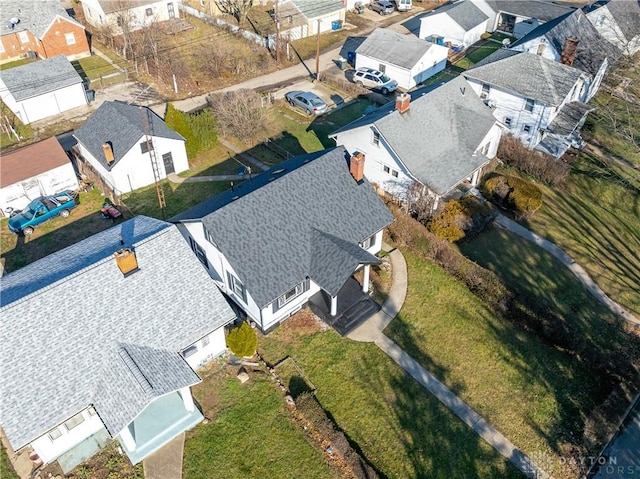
{"x":527,"y":75}
{"x":31,"y":161}
{"x":437,"y":138}
{"x":543,"y":10}
{"x":394,"y":48}
{"x":109,"y":6}
{"x":302,"y":219}
{"x":35,"y":16}
{"x":122,"y":125}
{"x":290,"y":15}
{"x":463,"y":12}
{"x":68,"y":317}
{"x":318,"y":8}
{"x":40,"y":77}
{"x":593,"y":49}
{"x":626,"y":13}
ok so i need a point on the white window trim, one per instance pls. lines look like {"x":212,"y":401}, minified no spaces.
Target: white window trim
{"x":78,"y":417}
{"x":70,"y":36}
{"x":529,"y":103}
{"x":54,"y":434}
{"x":376,"y":138}
{"x":23,"y":36}
{"x":297,"y":291}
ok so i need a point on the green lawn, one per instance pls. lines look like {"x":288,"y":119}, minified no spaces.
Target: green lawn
{"x":6,"y":470}
{"x":250,"y":434}
{"x":401,"y":429}
{"x":478,"y":53}
{"x":595,"y":218}
{"x":536,"y":395}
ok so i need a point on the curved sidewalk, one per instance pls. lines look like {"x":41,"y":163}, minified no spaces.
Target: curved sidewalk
{"x":567,"y":261}
{"x":372,"y":331}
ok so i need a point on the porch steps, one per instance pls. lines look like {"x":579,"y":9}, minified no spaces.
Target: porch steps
{"x":356,"y":314}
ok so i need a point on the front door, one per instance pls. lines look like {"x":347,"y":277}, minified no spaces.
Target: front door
{"x":168,"y":163}
{"x":170,"y":10}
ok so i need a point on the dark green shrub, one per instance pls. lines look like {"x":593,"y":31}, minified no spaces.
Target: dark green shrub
{"x":242,"y":340}
{"x":198,"y":129}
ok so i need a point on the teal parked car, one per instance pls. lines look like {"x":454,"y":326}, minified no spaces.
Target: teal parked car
{"x":42,"y":209}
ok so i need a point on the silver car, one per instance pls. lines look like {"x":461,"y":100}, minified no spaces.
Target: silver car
{"x":374,"y":79}
{"x":311,"y":103}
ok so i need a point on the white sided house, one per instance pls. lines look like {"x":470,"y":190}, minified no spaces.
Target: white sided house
{"x":574,"y":41}
{"x":113,"y":141}
{"x":291,"y":236}
{"x":618,"y":21}
{"x":42,"y":89}
{"x":459,"y":23}
{"x":130,"y":15}
{"x":35,"y":170}
{"x":304,"y":18}
{"x":518,"y":17}
{"x":438,"y":136}
{"x":404,"y":58}
{"x":539,"y":101}
{"x":140,"y":315}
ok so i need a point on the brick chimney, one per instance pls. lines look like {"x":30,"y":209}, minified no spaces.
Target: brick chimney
{"x":569,"y":51}
{"x":356,"y":166}
{"x":403,"y":100}
{"x":126,"y":261}
{"x":108,"y":153}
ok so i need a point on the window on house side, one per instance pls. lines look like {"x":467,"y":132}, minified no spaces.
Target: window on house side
{"x":382,"y":67}
{"x":394,"y":173}
{"x":74,"y":421}
{"x":24,"y":37}
{"x":386,"y":169}
{"x":485,"y":90}
{"x":529,"y":103}
{"x":236,"y":286}
{"x":119,"y":20}
{"x":376,"y":138}
{"x":144,"y":146}
{"x":190,"y":351}
{"x":199,"y":251}
{"x":205,"y":341}
{"x":1,"y":47}
{"x":369,"y":242}
{"x":149,"y":12}
{"x":485,"y":149}
{"x":507,"y":122}
{"x":290,"y":295}
{"x":526,"y":128}
{"x":55,"y":434}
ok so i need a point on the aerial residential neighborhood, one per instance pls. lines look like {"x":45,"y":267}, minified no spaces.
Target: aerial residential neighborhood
{"x":327,"y":239}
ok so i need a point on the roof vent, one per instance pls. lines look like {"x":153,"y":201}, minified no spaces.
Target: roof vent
{"x":126,"y":261}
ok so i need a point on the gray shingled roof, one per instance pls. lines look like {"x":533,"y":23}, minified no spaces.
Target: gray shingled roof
{"x":543,"y":10}
{"x":67,"y":318}
{"x":627,"y":15}
{"x":35,"y":15}
{"x":38,"y":78}
{"x":394,"y":48}
{"x":318,"y":8}
{"x":568,"y":118}
{"x":463,"y":12}
{"x":307,"y":222}
{"x":110,"y":6}
{"x":530,"y":76}
{"x":593,"y":49}
{"x":122,"y":125}
{"x":437,"y":138}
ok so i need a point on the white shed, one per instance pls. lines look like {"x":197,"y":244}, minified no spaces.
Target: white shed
{"x":42,"y":89}
{"x":113,"y":142}
{"x":404,"y":58}
{"x":35,"y":170}
{"x":460,"y":23}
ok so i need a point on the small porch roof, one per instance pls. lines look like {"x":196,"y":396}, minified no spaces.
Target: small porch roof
{"x":570,"y":118}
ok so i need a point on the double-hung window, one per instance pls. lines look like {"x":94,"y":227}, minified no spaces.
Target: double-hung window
{"x":199,"y":251}
{"x":486,"y":88}
{"x":376,"y":138}
{"x":369,"y":242}
{"x":236,"y":286}
{"x":74,"y":421}
{"x":529,"y":103}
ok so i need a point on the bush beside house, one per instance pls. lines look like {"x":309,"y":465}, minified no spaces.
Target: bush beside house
{"x":514,"y":193}
{"x":198,"y":129}
{"x":242,"y":340}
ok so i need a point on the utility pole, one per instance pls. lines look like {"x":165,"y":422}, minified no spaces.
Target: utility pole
{"x":318,"y":52}
{"x":277,"y":34}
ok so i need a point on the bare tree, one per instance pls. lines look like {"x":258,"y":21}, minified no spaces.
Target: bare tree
{"x":238,"y":9}
{"x":421,"y":203}
{"x":239,"y":113}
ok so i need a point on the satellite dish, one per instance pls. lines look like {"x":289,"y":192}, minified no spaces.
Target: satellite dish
{"x":14,"y":20}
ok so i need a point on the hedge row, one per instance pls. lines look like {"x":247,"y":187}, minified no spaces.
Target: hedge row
{"x":515,"y":193}
{"x":198,"y":129}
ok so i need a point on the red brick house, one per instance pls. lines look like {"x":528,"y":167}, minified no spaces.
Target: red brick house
{"x":40,"y":29}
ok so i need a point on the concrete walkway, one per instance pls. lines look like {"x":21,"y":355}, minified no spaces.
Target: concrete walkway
{"x":372,"y":331}
{"x":166,"y":462}
{"x":567,"y":261}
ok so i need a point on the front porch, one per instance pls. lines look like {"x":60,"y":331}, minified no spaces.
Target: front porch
{"x":350,"y":307}
{"x":159,"y":423}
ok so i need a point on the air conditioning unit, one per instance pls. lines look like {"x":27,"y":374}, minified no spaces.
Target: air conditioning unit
{"x":24,"y":55}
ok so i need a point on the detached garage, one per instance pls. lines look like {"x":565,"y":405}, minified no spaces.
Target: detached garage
{"x":42,"y":89}
{"x":35,"y":170}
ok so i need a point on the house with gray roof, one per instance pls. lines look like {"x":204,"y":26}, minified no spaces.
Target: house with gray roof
{"x":439,"y":136}
{"x":302,"y":18}
{"x":460,"y":23}
{"x":572,"y":39}
{"x":527,"y":93}
{"x":618,"y":21}
{"x":42,"y":89}
{"x":122,"y":141}
{"x":292,"y":235}
{"x":135,"y":14}
{"x":98,"y":343}
{"x":40,"y":29}
{"x":517,"y":17}
{"x":404,"y":58}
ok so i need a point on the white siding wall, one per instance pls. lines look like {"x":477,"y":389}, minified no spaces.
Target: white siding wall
{"x":53,"y":181}
{"x":377,"y":157}
{"x":608,"y":28}
{"x":473,"y":35}
{"x":270,"y":319}
{"x":205,"y":353}
{"x":94,"y":13}
{"x":443,"y":25}
{"x":401,"y":75}
{"x":325,"y":22}
{"x":134,"y":170}
{"x":48,"y":449}
{"x":44,"y":106}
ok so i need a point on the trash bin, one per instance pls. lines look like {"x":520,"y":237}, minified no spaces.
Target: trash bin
{"x":342,"y":63}
{"x":351,"y":58}
{"x":336,"y":25}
